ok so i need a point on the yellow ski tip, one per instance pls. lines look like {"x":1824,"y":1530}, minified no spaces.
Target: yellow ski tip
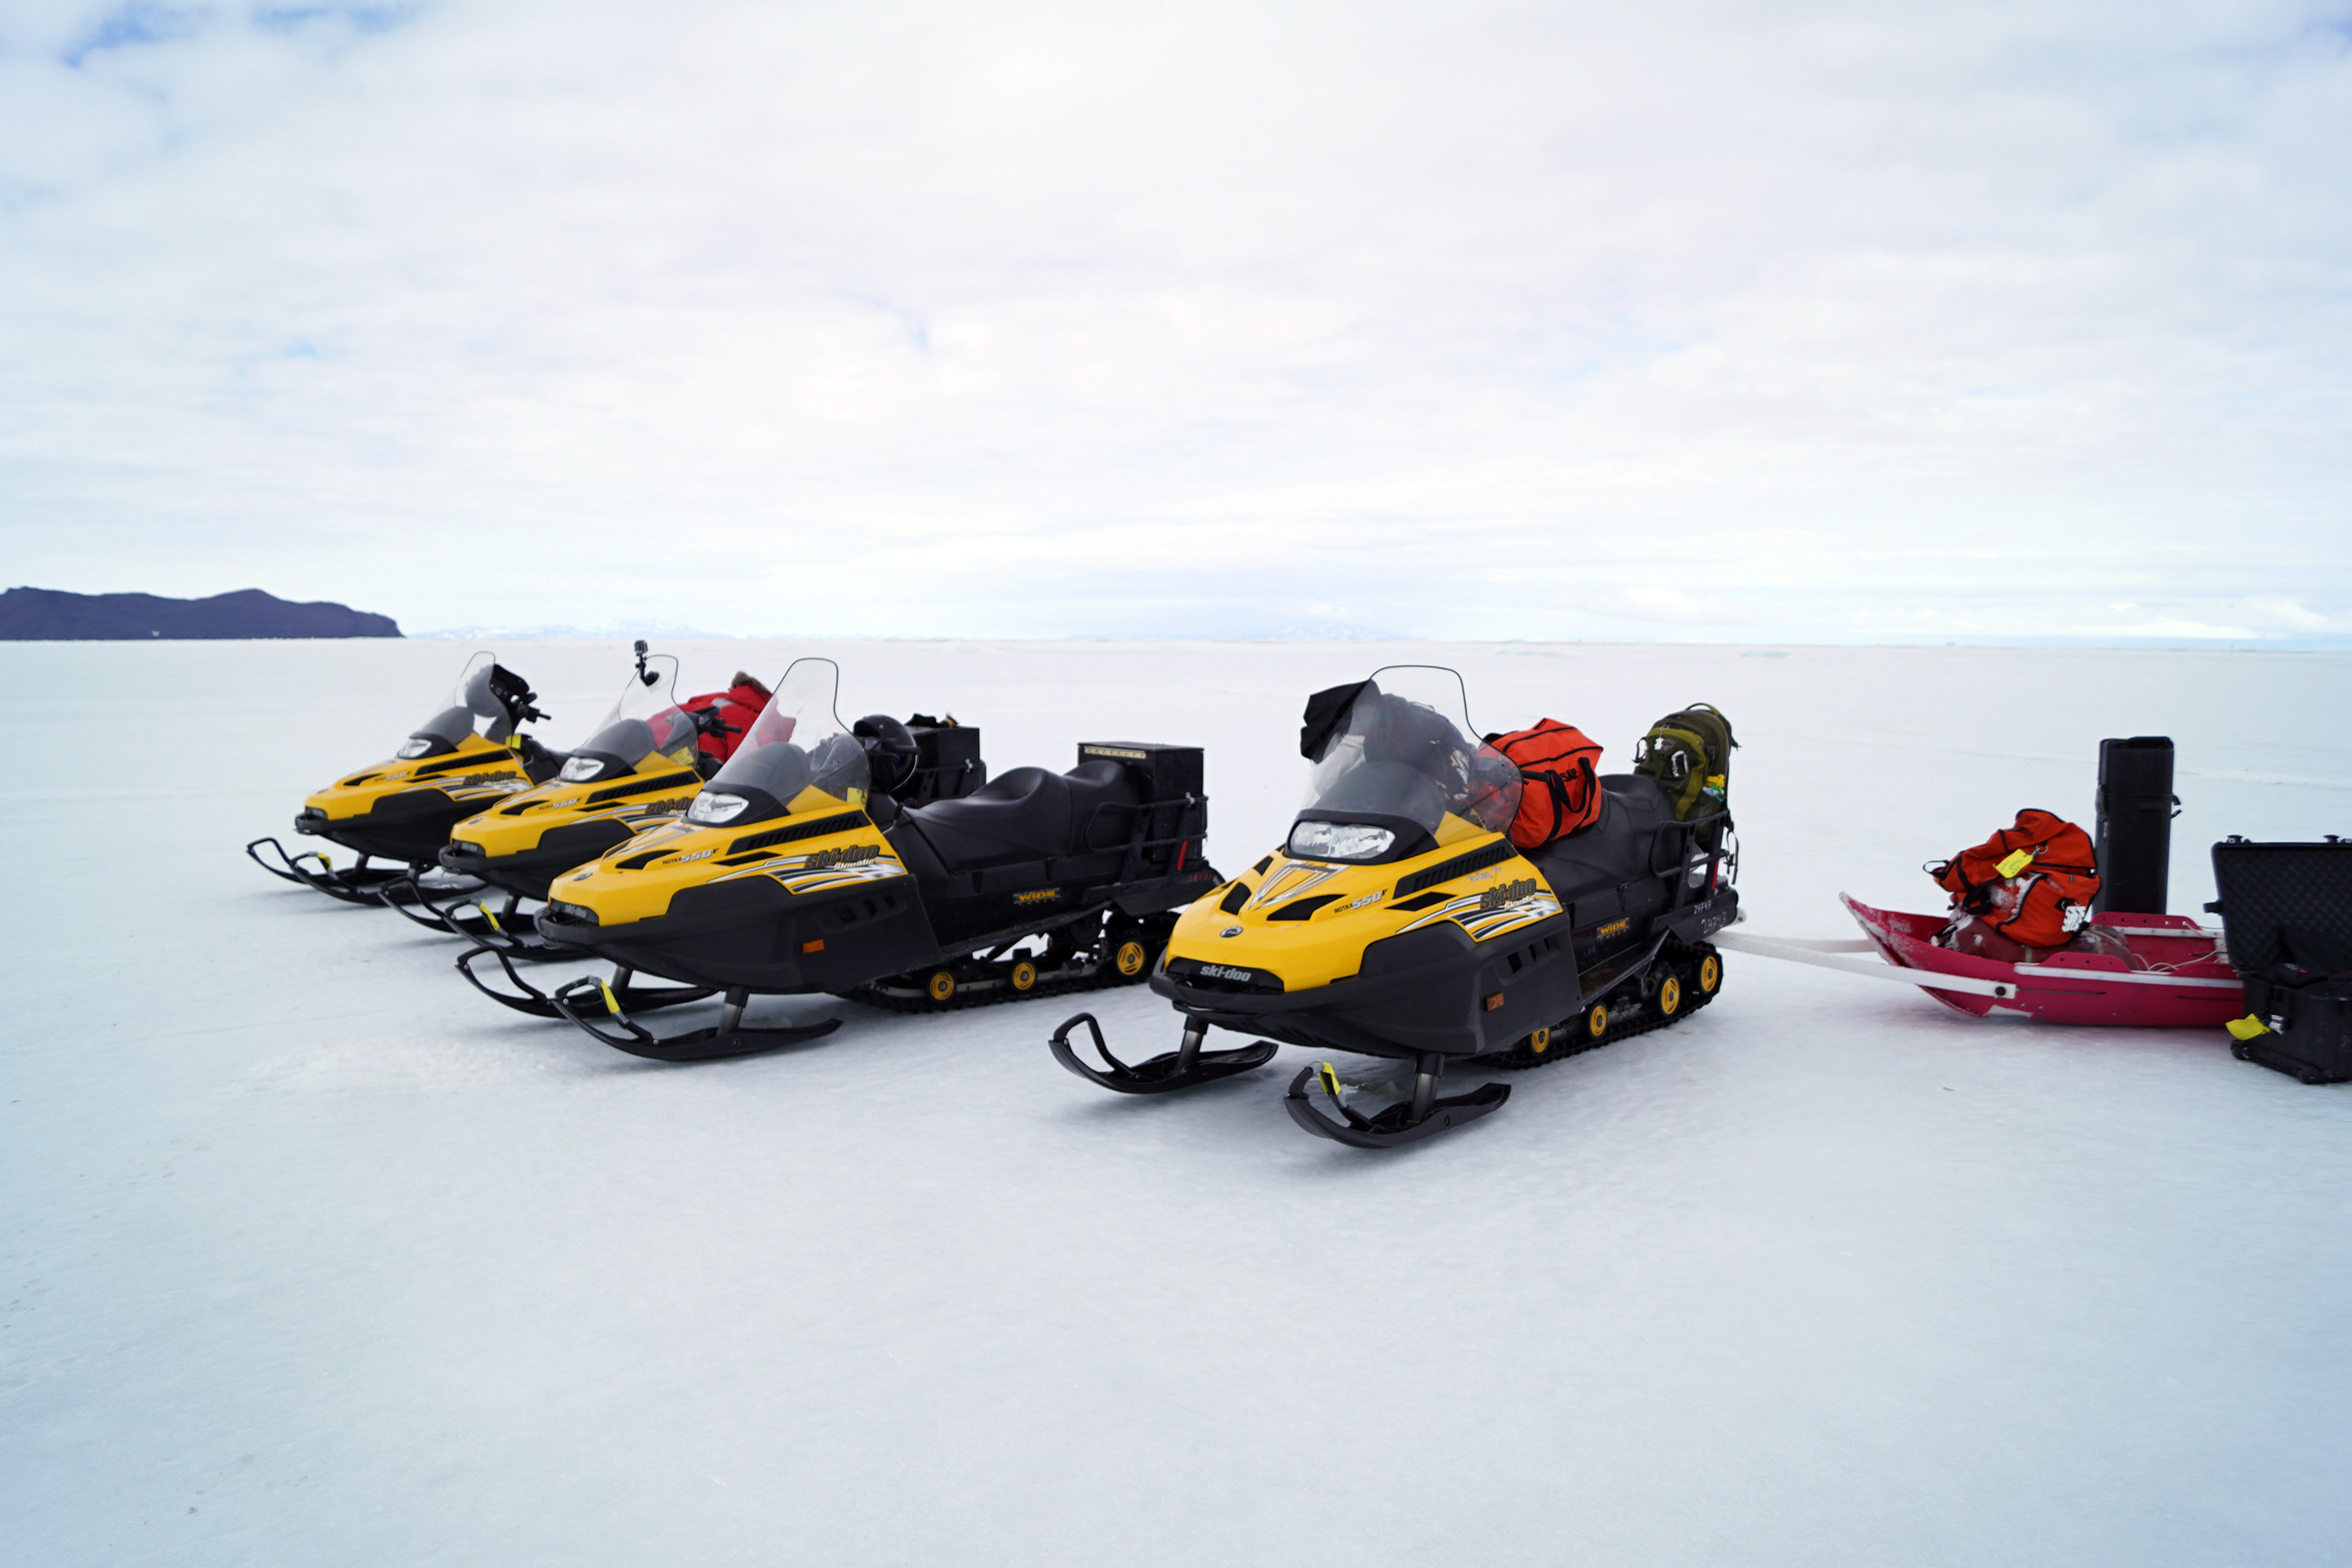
{"x":2247,"y":1027}
{"x":488,"y":916}
{"x":612,"y":1002}
{"x":1328,"y":1077}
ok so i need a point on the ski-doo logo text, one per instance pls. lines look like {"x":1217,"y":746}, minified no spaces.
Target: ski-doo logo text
{"x":1614,"y":928}
{"x":1042,"y":896}
{"x":848,"y":854}
{"x":1225,"y":972}
{"x":1508,"y":893}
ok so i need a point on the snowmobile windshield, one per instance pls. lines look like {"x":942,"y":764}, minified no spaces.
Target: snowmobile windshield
{"x":646,"y":723}
{"x":1398,"y":769}
{"x":478,"y":706}
{"x":798,"y":758}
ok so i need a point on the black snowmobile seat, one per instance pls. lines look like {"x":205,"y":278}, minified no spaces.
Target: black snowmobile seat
{"x":1622,"y":845}
{"x":1030,"y":814}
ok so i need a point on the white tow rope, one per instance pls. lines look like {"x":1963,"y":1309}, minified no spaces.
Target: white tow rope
{"x":1831,"y":955}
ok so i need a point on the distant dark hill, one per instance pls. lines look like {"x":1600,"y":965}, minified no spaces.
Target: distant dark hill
{"x":45,"y":615}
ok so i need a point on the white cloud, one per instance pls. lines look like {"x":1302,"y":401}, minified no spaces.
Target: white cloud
{"x":1490,"y":322}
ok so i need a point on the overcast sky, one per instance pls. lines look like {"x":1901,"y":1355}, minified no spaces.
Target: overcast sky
{"x":1777,"y":321}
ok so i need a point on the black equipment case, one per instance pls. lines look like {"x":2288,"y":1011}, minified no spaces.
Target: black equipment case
{"x":2286,"y":915}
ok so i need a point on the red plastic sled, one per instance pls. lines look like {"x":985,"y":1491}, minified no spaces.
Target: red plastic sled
{"x":2179,"y":974}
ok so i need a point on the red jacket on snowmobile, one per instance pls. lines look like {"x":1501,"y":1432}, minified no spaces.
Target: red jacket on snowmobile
{"x":737,"y":707}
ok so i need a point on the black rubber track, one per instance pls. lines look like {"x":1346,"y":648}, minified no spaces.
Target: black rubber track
{"x":1569,"y":1038}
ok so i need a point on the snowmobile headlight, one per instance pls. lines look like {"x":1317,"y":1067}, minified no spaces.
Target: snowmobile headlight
{"x":1339,"y":841}
{"x":580,"y":769}
{"x":415,"y":746}
{"x":711,"y":807}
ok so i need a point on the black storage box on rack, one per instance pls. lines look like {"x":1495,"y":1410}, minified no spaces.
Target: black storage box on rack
{"x":1168,"y":776}
{"x":2286,"y":915}
{"x":947,"y":762}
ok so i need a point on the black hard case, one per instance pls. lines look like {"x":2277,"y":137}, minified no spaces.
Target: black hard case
{"x":2286,"y":915}
{"x":947,"y":763}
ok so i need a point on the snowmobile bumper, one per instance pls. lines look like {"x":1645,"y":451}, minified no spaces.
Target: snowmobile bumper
{"x":360,"y":884}
{"x":1426,"y":992}
{"x":408,"y":827}
{"x":753,"y":934}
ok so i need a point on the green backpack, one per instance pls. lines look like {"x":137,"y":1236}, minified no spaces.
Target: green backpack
{"x":1689,"y":754}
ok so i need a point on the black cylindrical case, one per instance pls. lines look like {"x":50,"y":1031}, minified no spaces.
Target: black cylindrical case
{"x":2136,"y":804}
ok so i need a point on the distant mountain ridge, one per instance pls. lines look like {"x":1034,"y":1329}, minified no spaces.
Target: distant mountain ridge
{"x":49,"y":615}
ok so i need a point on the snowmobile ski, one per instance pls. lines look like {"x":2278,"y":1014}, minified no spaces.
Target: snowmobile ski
{"x":1186,"y":1067}
{"x":315,"y":869}
{"x":1409,"y":1120}
{"x":581,"y":999}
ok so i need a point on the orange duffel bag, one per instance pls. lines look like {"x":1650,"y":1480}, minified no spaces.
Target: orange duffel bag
{"x":2033,"y":883}
{"x":1560,"y":779}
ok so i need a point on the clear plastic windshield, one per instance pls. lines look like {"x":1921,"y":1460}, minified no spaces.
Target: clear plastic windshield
{"x":798,"y":757}
{"x":475,"y":709}
{"x":1400,"y":761}
{"x":645,"y":722}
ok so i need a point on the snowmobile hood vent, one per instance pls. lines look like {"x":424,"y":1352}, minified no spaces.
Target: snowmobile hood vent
{"x":1477,"y":860}
{"x":840,"y":822}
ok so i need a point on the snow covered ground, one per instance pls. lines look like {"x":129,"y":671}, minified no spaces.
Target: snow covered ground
{"x":311,"y":1256}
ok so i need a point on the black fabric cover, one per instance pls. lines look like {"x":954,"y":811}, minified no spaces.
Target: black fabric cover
{"x":1327,"y":713}
{"x":1622,"y":845}
{"x":1029,"y":814}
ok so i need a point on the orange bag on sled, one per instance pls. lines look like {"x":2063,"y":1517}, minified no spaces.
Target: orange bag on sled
{"x":1561,"y":779}
{"x":2033,"y":883}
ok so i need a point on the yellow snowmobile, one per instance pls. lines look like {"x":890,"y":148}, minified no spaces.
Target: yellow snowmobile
{"x":643,"y":767}
{"x":1400,"y":921}
{"x":796,"y":871}
{"x":467,"y":756}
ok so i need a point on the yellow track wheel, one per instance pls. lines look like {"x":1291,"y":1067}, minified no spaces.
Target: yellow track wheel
{"x":1710,"y":974}
{"x":1539,"y":1042}
{"x":1024,"y":975}
{"x":1596,"y":1023}
{"x":1670,"y":996}
{"x":1131,"y":959}
{"x":942,"y":986}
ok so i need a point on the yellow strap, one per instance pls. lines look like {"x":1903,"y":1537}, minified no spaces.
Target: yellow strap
{"x":1329,"y":1077}
{"x":2018,"y":860}
{"x":612,"y":1002}
{"x":2247,"y":1027}
{"x":490,"y":917}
